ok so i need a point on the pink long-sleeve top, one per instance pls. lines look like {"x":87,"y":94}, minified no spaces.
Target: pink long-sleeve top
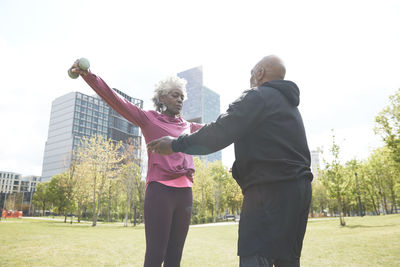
{"x":169,"y":170}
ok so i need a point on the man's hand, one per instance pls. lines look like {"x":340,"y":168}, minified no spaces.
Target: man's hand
{"x":161,"y":146}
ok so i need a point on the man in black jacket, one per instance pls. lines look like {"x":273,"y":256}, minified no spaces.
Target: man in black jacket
{"x":272,"y":164}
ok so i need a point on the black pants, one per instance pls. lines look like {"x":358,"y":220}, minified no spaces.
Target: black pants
{"x":167,"y":212}
{"x":273,"y":222}
{"x":259,"y":261}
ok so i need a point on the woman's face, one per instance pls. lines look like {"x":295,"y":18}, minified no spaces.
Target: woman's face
{"x":173,"y":101}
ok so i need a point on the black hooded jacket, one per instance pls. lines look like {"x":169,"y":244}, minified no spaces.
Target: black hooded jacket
{"x":268,"y":132}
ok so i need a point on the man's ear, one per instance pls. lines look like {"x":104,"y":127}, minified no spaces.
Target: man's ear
{"x":260,"y":73}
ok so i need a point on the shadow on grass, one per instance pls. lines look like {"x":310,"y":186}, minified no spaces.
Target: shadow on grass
{"x":89,"y":226}
{"x":368,"y":226}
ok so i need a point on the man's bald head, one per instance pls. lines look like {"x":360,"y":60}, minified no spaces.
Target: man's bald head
{"x":269,"y":68}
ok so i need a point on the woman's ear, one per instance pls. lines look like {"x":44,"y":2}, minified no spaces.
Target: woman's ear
{"x":162,"y":98}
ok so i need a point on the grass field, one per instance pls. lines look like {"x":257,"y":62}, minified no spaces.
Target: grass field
{"x":368,"y":241}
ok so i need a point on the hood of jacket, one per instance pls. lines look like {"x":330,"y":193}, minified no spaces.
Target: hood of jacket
{"x":288,"y":88}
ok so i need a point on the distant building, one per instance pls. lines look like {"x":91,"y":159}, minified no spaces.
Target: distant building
{"x":315,"y":163}
{"x":9,"y":182}
{"x":76,"y":115}
{"x":13,"y":183}
{"x":202,"y":104}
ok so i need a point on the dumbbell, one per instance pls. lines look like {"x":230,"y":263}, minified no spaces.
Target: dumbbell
{"x":83,"y":64}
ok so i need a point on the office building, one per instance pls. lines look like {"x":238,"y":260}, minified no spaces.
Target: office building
{"x":13,"y":183}
{"x":315,"y":164}
{"x":202,"y":104}
{"x":76,"y":115}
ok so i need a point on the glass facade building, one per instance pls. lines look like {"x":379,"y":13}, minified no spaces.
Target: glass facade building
{"x":202,"y":104}
{"x":13,"y":183}
{"x":315,"y":163}
{"x":76,"y":115}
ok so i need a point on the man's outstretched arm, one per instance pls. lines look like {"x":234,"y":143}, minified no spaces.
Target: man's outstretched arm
{"x":241,"y":117}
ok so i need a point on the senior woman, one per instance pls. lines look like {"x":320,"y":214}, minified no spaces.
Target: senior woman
{"x":168,"y":198}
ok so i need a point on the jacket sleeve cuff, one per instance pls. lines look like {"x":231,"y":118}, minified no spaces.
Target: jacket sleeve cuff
{"x":178,"y":144}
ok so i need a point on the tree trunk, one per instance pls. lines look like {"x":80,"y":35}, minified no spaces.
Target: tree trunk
{"x":128,"y":202}
{"x":385,"y":203}
{"x":94,"y":204}
{"x":79,"y":212}
{"x":109,"y":204}
{"x":393,"y":196}
{"x":216,"y":208}
{"x":97,"y":210}
{"x":342,"y":222}
{"x":94,"y":212}
{"x":312,"y":210}
{"x":374,"y":205}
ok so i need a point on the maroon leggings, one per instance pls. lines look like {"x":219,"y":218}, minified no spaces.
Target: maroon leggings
{"x":167,"y":212}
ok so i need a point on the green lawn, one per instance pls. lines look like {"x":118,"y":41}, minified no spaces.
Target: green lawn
{"x":368,"y":241}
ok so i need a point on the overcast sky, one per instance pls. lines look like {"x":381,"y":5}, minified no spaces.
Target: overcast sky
{"x":343,"y":55}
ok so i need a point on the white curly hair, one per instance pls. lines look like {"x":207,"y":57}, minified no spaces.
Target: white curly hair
{"x":165,"y":86}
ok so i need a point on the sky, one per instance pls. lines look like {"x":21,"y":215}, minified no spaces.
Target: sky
{"x":343,"y":55}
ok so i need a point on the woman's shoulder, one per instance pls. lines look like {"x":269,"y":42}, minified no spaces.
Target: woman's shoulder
{"x":152,"y":112}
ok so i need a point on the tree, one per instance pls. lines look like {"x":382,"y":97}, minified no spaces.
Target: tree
{"x":214,"y":191}
{"x":102,"y":158}
{"x":368,"y":186}
{"x":320,"y":200}
{"x":203,"y":202}
{"x":383,"y":176}
{"x":81,"y":190}
{"x":129,"y":174}
{"x":219,"y":176}
{"x":233,"y":195}
{"x":41,"y":196}
{"x":57,"y":193}
{"x":334,"y":180}
{"x":388,"y":125}
{"x":130,"y":177}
